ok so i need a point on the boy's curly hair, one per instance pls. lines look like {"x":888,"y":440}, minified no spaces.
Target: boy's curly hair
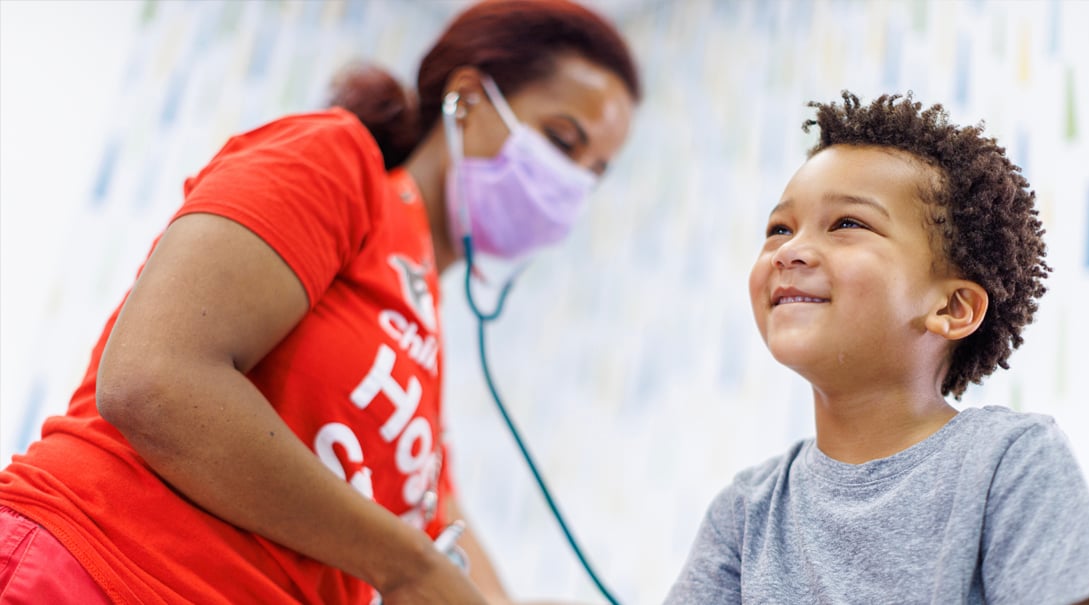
{"x":981,"y":208}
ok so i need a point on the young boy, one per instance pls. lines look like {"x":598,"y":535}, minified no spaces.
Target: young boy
{"x":901,"y":263}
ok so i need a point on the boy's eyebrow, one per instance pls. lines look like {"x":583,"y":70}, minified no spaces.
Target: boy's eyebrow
{"x":783,"y":205}
{"x":843,"y":198}
{"x":857,"y":199}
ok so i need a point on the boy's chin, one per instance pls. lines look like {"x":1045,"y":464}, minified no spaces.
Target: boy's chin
{"x":794,"y":355}
{"x":805,"y":362}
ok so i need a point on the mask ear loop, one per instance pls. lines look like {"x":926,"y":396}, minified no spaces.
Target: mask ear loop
{"x":491,"y":90}
{"x":499,"y":102}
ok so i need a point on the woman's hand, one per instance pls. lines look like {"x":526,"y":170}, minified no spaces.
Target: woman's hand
{"x":443,"y":583}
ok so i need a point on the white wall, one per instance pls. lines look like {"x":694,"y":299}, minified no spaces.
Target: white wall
{"x":60,"y":68}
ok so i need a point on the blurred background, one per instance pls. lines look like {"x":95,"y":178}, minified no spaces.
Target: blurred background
{"x":628,"y":355}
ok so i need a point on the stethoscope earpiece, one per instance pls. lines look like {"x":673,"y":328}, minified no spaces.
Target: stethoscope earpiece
{"x":450,"y":103}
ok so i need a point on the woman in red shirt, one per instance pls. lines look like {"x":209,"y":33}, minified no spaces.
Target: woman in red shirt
{"x":261,"y":418}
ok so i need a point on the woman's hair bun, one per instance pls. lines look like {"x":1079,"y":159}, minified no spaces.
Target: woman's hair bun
{"x":386,"y":108}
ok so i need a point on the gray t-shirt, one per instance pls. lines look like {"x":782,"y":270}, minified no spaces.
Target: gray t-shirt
{"x":991,"y":508}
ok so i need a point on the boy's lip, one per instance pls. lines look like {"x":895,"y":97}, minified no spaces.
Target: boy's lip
{"x":788,"y":295}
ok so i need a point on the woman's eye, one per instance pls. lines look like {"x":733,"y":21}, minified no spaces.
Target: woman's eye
{"x":560,"y":143}
{"x":778,"y":230}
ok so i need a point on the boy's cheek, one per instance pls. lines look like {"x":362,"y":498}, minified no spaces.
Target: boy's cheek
{"x":758,"y":281}
{"x":759,"y":293}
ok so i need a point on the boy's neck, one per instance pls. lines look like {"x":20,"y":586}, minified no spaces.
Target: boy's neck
{"x":861,"y":428}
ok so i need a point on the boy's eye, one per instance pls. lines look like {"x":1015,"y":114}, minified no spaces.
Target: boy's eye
{"x":848,"y":223}
{"x":778,"y":229}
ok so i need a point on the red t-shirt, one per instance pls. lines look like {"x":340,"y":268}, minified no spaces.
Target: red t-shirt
{"x":358,"y":380}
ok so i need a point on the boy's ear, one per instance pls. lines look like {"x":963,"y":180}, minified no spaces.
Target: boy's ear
{"x":961,"y":311}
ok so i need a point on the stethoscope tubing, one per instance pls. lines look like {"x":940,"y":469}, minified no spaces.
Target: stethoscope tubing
{"x":483,"y":318}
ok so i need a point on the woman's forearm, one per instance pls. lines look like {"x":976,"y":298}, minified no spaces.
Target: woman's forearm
{"x":212,"y":435}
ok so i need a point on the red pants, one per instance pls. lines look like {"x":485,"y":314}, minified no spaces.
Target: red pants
{"x":36,"y":568}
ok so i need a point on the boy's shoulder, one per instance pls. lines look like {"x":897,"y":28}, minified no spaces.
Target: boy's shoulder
{"x":1003,"y":417}
{"x":769,"y":470}
{"x":761,"y":479}
{"x":997,"y":428}
{"x":986,"y":434}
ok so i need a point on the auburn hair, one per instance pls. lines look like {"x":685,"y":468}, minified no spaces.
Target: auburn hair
{"x":516,"y":42}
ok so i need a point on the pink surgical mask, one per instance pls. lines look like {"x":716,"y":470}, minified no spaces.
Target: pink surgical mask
{"x":526,"y":197}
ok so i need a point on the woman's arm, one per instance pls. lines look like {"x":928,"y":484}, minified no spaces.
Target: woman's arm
{"x":211,"y":301}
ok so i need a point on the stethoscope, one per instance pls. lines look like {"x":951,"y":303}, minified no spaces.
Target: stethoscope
{"x":449,"y":109}
{"x":483,"y":318}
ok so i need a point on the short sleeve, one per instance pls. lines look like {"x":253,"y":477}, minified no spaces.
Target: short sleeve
{"x":307,"y":185}
{"x":712,"y":573}
{"x":1036,"y":532}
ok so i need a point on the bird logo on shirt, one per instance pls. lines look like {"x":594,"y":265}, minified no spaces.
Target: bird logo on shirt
{"x":415,"y":289}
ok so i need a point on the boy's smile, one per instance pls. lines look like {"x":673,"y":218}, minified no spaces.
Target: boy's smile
{"x":847,"y":275}
{"x":788,"y":296}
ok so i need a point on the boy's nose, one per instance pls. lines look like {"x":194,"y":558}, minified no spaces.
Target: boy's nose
{"x":795,"y":253}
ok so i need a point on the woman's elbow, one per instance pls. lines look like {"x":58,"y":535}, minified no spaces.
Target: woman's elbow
{"x":130,"y":395}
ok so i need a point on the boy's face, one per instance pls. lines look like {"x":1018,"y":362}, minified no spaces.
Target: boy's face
{"x":846,"y":276}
